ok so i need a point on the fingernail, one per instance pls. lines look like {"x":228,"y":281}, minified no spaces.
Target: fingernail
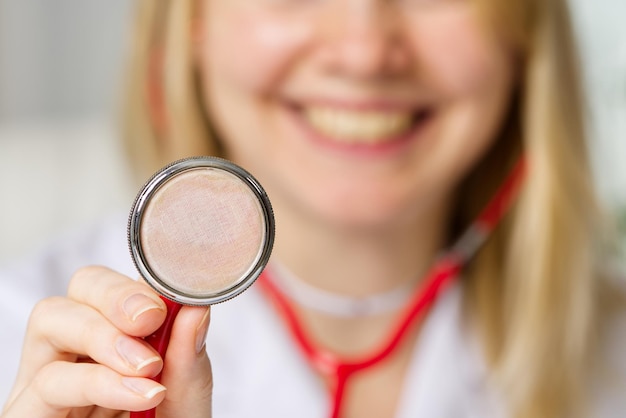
{"x":134,"y":353}
{"x":138,"y":304}
{"x":144,"y":387}
{"x":202,"y":330}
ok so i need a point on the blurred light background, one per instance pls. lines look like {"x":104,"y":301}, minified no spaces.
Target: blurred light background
{"x":61,"y":62}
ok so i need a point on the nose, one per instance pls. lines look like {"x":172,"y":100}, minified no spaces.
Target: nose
{"x":363,"y":39}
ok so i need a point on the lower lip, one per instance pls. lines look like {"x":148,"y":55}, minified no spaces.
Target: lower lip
{"x":393,"y":145}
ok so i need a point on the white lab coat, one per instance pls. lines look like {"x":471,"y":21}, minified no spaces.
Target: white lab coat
{"x":258,"y":370}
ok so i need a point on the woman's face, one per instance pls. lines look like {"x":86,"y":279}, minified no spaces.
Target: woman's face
{"x":357,"y":112}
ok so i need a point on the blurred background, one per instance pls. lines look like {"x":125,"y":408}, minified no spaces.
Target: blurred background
{"x":61,"y":61}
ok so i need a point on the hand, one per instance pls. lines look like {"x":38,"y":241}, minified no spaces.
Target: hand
{"x":83,"y":355}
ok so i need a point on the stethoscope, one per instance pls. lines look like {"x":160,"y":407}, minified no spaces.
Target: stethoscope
{"x":213,"y":216}
{"x":340,"y":371}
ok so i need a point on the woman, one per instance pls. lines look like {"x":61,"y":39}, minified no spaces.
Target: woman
{"x":380,"y":130}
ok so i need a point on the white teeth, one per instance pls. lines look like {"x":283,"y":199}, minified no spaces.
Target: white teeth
{"x":352,"y":126}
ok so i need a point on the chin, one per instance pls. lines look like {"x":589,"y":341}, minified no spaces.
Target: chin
{"x":367,"y":213}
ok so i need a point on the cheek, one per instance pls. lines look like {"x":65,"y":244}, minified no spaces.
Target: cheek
{"x":249,"y":46}
{"x":456,"y":54}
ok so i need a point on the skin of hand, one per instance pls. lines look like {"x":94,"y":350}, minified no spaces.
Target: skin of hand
{"x":84,"y":355}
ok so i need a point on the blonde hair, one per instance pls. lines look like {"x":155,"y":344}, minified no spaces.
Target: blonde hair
{"x":163,"y":115}
{"x":533,"y":291}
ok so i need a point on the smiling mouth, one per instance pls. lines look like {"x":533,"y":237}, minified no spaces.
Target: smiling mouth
{"x":362,"y":127}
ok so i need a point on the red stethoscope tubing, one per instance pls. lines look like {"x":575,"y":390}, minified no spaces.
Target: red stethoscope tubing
{"x":444,"y":271}
{"x":159,"y":341}
{"x":338,"y":370}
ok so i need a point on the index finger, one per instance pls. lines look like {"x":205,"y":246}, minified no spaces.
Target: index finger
{"x":132,"y":306}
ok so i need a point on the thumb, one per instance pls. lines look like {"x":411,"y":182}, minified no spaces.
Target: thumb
{"x":187,"y":370}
